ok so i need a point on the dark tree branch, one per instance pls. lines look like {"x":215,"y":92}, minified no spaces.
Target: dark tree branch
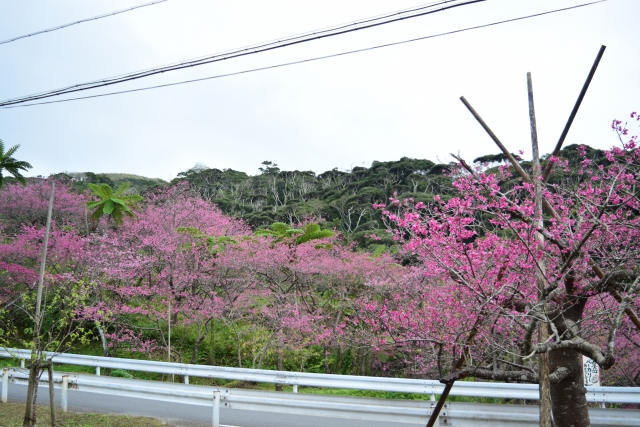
{"x":578,"y":344}
{"x":559,"y":375}
{"x":526,"y":376}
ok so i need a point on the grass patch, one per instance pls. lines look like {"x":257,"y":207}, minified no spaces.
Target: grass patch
{"x":13,"y":414}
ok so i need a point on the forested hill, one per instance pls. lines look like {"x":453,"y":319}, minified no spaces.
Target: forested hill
{"x":343,"y":199}
{"x":137,"y":183}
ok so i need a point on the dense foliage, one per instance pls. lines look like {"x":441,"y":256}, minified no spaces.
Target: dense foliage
{"x":342,"y":199}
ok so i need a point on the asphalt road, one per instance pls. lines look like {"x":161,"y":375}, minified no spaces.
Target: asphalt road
{"x":178,"y":414}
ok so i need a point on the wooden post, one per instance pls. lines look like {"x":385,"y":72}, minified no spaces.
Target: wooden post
{"x":43,"y":261}
{"x":543,"y":333}
{"x":52,"y":396}
{"x":565,"y":131}
{"x":440,"y":404}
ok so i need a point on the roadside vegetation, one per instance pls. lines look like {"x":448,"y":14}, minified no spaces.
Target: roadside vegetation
{"x":13,"y":415}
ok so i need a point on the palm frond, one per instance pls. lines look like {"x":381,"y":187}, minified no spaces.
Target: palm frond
{"x":108,"y":206}
{"x":99,"y":190}
{"x":19,"y":164}
{"x":10,"y":151}
{"x":121,"y":189}
{"x":95,"y":203}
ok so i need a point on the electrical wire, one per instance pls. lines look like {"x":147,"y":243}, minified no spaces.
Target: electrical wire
{"x":312,"y":59}
{"x":434,"y":7}
{"x":48,"y":30}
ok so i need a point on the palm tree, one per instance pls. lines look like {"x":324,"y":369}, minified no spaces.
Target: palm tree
{"x":111,"y":203}
{"x":12,"y":165}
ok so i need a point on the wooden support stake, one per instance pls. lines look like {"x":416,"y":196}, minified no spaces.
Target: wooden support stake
{"x":440,"y":404}
{"x":543,"y":334}
{"x":52,"y":396}
{"x":493,"y":136}
{"x":549,"y":166}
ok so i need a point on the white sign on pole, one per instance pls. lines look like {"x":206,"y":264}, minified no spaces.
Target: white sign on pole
{"x":591,"y":372}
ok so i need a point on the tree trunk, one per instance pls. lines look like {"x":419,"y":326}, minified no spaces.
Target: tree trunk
{"x":280,"y":367}
{"x":28,"y":422}
{"x":326,"y":360}
{"x":568,"y":397}
{"x":103,"y":340}
{"x":34,"y":408}
{"x":211,"y":355}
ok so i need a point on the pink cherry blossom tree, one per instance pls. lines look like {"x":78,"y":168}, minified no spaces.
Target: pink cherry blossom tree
{"x":480,"y":257}
{"x":27,"y":206}
{"x":167,"y":255}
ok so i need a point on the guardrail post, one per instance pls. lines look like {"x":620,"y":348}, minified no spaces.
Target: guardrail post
{"x":295,"y":388}
{"x":5,"y":384}
{"x":186,"y":379}
{"x":98,"y":370}
{"x":21,"y":363}
{"x":216,"y":409}
{"x":63,"y":394}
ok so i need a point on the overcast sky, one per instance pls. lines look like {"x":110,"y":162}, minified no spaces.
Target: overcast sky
{"x":340,"y":112}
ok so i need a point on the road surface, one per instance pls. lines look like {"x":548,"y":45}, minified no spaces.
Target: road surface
{"x":178,"y":414}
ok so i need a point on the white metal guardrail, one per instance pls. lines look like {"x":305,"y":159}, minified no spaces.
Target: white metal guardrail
{"x":402,"y":385}
{"x":390,"y":410}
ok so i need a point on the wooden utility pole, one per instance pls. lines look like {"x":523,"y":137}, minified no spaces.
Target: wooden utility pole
{"x":543,"y":333}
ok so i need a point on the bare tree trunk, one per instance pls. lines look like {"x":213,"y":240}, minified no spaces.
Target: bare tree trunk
{"x":570,"y":407}
{"x":326,"y":359}
{"x":280,"y":367}
{"x":34,"y":407}
{"x":569,"y":396}
{"x":103,"y":340}
{"x":28,"y":421}
{"x":211,"y":355}
{"x":196,"y":346}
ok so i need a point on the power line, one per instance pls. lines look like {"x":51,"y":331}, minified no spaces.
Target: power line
{"x":434,"y":7}
{"x":312,"y":59}
{"x":48,"y":30}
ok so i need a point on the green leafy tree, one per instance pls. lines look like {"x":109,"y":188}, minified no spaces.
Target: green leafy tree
{"x":11,"y":165}
{"x":215,"y":245}
{"x":114,"y":204}
{"x":281,"y":232}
